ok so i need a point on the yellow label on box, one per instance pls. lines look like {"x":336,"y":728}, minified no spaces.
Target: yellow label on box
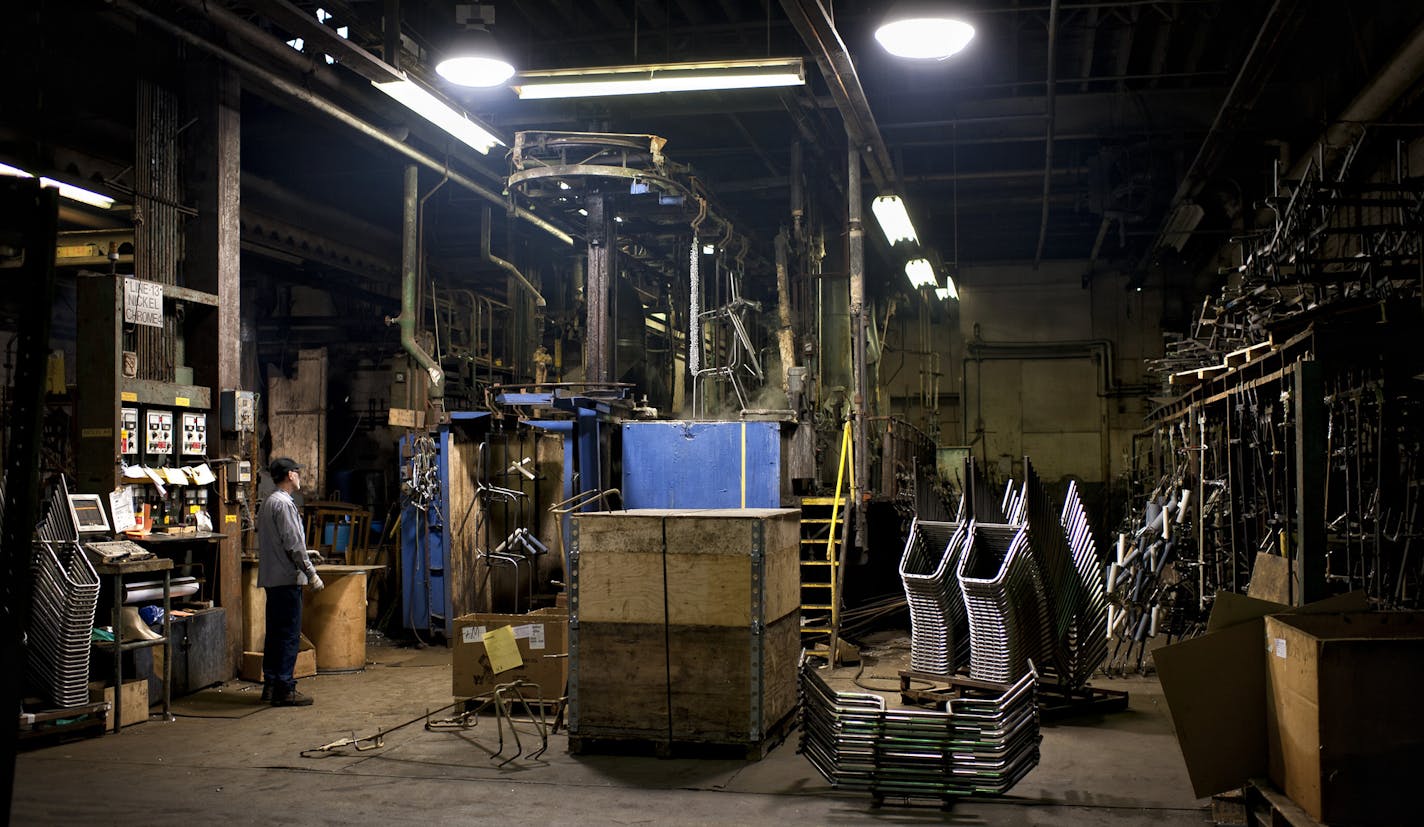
{"x":193,"y":509}
{"x":502,"y":651}
{"x":181,"y":401}
{"x":231,"y":518}
{"x":128,"y":396}
{"x":96,"y":433}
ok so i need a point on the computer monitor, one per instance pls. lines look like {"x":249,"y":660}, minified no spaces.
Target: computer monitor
{"x":88,"y":513}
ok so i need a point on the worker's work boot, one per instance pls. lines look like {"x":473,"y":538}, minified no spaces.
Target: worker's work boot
{"x":293,"y":698}
{"x":266,"y":693}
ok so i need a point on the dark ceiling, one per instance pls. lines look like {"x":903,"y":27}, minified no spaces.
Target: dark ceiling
{"x":1138,"y":86}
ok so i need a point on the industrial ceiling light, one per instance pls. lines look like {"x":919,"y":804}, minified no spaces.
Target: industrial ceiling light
{"x":646,"y":79}
{"x":473,"y":58}
{"x":894,"y":220}
{"x":69,"y":191}
{"x":949,"y":291}
{"x":924,"y":31}
{"x":921,"y":273}
{"x":420,"y":101}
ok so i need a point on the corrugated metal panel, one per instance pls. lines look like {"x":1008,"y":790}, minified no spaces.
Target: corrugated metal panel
{"x":702,"y":464}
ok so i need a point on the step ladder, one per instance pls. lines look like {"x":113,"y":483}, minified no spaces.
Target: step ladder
{"x":822,"y":531}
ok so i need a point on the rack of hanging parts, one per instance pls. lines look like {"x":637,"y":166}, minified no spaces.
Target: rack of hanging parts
{"x":1148,"y":587}
{"x":694,"y":291}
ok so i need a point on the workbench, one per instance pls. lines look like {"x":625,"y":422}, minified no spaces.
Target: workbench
{"x":116,"y":572}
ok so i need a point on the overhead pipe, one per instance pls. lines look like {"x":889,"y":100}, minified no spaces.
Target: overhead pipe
{"x":1261,"y":61}
{"x":326,"y":107}
{"x":1048,"y":141}
{"x":818,"y":31}
{"x":505,"y":265}
{"x":1391,"y":82}
{"x":410,"y":254}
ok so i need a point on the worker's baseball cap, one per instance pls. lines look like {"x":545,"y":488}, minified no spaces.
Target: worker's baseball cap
{"x":281,"y":465}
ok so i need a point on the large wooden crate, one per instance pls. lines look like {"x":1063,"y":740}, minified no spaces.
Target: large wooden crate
{"x":684,"y":625}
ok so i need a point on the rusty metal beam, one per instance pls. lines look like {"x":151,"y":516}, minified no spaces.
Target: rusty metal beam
{"x":818,"y":31}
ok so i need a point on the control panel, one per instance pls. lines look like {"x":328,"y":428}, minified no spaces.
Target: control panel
{"x":158,"y":433}
{"x":195,"y":434}
{"x":239,"y":411}
{"x":128,"y":431}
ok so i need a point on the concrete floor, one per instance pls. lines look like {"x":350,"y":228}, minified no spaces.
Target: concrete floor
{"x":1115,"y":770}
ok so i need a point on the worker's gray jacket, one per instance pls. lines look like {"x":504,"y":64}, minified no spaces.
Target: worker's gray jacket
{"x":282,"y":543}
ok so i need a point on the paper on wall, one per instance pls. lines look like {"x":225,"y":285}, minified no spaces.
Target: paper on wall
{"x":121,"y":506}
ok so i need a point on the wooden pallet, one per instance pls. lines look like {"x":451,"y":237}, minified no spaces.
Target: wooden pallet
{"x":1237,"y":358}
{"x":1055,"y":702}
{"x":646,"y":744}
{"x":86,"y":720}
{"x":1267,"y":806}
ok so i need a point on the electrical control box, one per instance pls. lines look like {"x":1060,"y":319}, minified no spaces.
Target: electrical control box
{"x":128,"y":431}
{"x":238,"y":411}
{"x":195,"y":434}
{"x":158,"y":434}
{"x":244,"y":472}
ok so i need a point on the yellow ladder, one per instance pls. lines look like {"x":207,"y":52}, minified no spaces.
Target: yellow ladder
{"x":821,"y":560}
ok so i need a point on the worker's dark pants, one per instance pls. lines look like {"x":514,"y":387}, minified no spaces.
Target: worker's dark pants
{"x":284,"y":637}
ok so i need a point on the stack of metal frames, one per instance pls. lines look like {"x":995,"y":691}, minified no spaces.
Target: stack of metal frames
{"x":1089,"y":646}
{"x":1004,"y":599}
{"x":1057,"y":572}
{"x":939,"y":625}
{"x":983,"y":744}
{"x":65,"y":594}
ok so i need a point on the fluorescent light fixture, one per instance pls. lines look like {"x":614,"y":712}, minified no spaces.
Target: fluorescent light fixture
{"x":423,"y":103}
{"x":472,"y":58}
{"x":709,"y":249}
{"x":652,"y":78}
{"x":949,"y":291}
{"x":921,"y":273}
{"x":923,"y":31}
{"x":69,"y":191}
{"x":894,"y":220}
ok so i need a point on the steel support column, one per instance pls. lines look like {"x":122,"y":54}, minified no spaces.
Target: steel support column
{"x":855,"y":238}
{"x":212,"y":265}
{"x":602,"y":269}
{"x":32,"y":212}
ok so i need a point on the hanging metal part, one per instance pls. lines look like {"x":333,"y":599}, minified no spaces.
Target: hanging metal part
{"x":741,"y":353}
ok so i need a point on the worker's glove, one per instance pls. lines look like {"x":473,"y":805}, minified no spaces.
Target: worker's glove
{"x":316,"y":583}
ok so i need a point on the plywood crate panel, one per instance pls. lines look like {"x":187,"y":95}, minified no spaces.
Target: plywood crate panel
{"x":684,"y":624}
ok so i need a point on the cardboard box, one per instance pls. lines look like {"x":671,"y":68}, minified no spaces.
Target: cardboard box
{"x":1344,"y":727}
{"x":134,"y":698}
{"x":305,"y":668}
{"x":1215,"y":686}
{"x":543,"y":639}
